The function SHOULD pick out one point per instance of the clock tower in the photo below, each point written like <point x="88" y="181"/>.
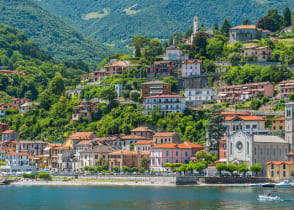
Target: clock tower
<point x="289" y="124"/>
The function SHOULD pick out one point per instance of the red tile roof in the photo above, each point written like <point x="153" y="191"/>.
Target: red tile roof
<point x="165" y="134"/>
<point x="131" y="137"/>
<point x="279" y="119"/>
<point x="280" y="162"/>
<point x="191" y="61"/>
<point x="142" y="129"/>
<point x="15" y="153"/>
<point x="144" y="142"/>
<point x="244" y="27"/>
<point x="194" y="145"/>
<point x="236" y="113"/>
<point x="171" y="146"/>
<point x="8" y="131"/>
<point x="124" y="152"/>
<point x="166" y="96"/>
<point x="82" y="135"/>
<point x="245" y="118"/>
<point x="84" y="142"/>
<point x="223" y="139"/>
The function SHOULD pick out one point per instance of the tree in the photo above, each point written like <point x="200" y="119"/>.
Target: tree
<point x="287" y="17"/>
<point x="246" y="22"/>
<point x="256" y="168"/>
<point x="220" y="167"/>
<point x="57" y="85"/>
<point x="215" y="46"/>
<point x="215" y="125"/>
<point x="291" y="97"/>
<point x="173" y="82"/>
<point x="203" y="156"/>
<point x="139" y="42"/>
<point x="231" y="168"/>
<point x="226" y="28"/>
<point x="199" y="43"/>
<point x="143" y="162"/>
<point x="234" y="58"/>
<point x="125" y="169"/>
<point x="183" y="168"/>
<point x="116" y="169"/>
<point x="255" y="104"/>
<point x="200" y="166"/>
<point x="266" y="23"/>
<point x="134" y="169"/>
<point x="243" y="169"/>
<point x="2" y="163"/>
<point x="134" y="95"/>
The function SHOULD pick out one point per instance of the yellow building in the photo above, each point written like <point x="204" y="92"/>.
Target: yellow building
<point x="279" y="169"/>
<point x="278" y="124"/>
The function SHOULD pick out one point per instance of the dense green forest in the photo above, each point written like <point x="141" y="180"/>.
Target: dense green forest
<point x="121" y="20"/>
<point x="50" y="33"/>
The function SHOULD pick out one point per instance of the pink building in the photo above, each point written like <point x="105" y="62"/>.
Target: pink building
<point x="172" y="153"/>
<point x="191" y="68"/>
<point x="98" y="75"/>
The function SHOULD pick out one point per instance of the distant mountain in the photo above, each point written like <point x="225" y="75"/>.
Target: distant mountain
<point x="53" y="35"/>
<point x="116" y="21"/>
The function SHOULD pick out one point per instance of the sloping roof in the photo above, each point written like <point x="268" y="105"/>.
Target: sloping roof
<point x="165" y="134"/>
<point x="166" y="96"/>
<point x="144" y="142"/>
<point x="247" y="85"/>
<point x="82" y="135"/>
<point x="235" y="113"/>
<point x="120" y="63"/>
<point x="280" y="162"/>
<point x="84" y="142"/>
<point x="223" y="139"/>
<point x="100" y="148"/>
<point x="15" y="153"/>
<point x="124" y="152"/>
<point x="191" y="61"/>
<point x="194" y="145"/>
<point x="171" y="146"/>
<point x="245" y="27"/>
<point x="268" y="139"/>
<point x="8" y="131"/>
<point x="109" y="138"/>
<point x="154" y="82"/>
<point x="245" y="118"/>
<point x="279" y="119"/>
<point x="142" y="129"/>
<point x="31" y="142"/>
<point x="131" y="137"/>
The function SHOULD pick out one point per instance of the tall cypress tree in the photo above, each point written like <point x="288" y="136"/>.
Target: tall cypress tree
<point x="287" y="17"/>
<point x="225" y="27"/>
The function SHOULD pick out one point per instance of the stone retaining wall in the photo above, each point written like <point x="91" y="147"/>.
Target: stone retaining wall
<point x="231" y="180"/>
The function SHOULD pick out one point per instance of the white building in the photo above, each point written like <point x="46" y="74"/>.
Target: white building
<point x="199" y="96"/>
<point x="164" y="104"/>
<point x="175" y="54"/>
<point x="244" y="148"/>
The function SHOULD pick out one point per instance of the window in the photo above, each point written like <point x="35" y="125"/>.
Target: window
<point x="152" y="161"/>
<point x="231" y="148"/>
<point x="272" y="173"/>
<point x="247" y="148"/>
<point x="186" y="154"/>
<point x="225" y="146"/>
<point x="247" y="126"/>
<point x="272" y="166"/>
<point x="284" y="166"/>
<point x="166" y="160"/>
<point x="166" y="153"/>
<point x="177" y="161"/>
<point x="255" y="151"/>
<point x="254" y="126"/>
<point x="177" y="153"/>
<point x="284" y="173"/>
<point x="158" y="161"/>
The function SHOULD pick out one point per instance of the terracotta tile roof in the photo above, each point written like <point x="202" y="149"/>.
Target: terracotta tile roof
<point x="142" y="129"/>
<point x="144" y="142"/>
<point x="165" y="134"/>
<point x="61" y="148"/>
<point x="100" y="148"/>
<point x="82" y="136"/>
<point x="235" y="113"/>
<point x="166" y="96"/>
<point x="245" y="118"/>
<point x="84" y="142"/>
<point x="8" y="131"/>
<point x="280" y="162"/>
<point x="171" y="146"/>
<point x="154" y="82"/>
<point x="36" y="157"/>
<point x="119" y="63"/>
<point x="279" y="119"/>
<point x="15" y="153"/>
<point x="124" y="152"/>
<point x="194" y="145"/>
<point x="54" y="144"/>
<point x="173" y="48"/>
<point x="145" y="153"/>
<point x="191" y="61"/>
<point x="223" y="139"/>
<point x="131" y="137"/>
<point x="109" y="138"/>
<point x="247" y="85"/>
<point x="244" y="27"/>
<point x="291" y="153"/>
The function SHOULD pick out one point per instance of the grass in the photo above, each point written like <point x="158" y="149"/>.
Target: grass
<point x="287" y="42"/>
<point x="96" y="15"/>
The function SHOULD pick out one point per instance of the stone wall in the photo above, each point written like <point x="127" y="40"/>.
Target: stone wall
<point x="231" y="180"/>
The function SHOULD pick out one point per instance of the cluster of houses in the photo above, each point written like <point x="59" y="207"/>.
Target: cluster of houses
<point x="82" y="149"/>
<point x="21" y="104"/>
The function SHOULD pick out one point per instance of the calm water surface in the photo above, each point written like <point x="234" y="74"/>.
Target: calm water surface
<point x="100" y="197"/>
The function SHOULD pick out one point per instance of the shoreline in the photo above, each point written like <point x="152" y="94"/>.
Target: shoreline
<point x="97" y="183"/>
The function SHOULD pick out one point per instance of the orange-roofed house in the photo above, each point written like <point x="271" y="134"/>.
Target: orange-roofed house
<point x="117" y="67"/>
<point x="166" y="138"/>
<point x="279" y="170"/>
<point x="278" y="124"/>
<point x="143" y="145"/>
<point x="257" y="53"/>
<point x="85" y="111"/>
<point x="17" y="159"/>
<point x="129" y="141"/>
<point x="191" y="68"/>
<point x="249" y="124"/>
<point x="3" y="127"/>
<point x="246" y="32"/>
<point x="143" y="131"/>
<point x="161" y="69"/>
<point x="20" y="101"/>
<point x="9" y="135"/>
<point x="76" y="137"/>
<point x="172" y="153"/>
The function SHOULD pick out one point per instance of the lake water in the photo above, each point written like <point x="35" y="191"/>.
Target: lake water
<point x="124" y="197"/>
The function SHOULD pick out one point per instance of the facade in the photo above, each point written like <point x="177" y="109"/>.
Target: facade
<point x="289" y="124"/>
<point x="86" y="111"/>
<point x="164" y="104"/>
<point x="175" y="54"/>
<point x="20" y="101"/>
<point x="286" y="88"/>
<point x="2" y="112"/>
<point x="117" y="67"/>
<point x="248" y="124"/>
<point x="278" y="124"/>
<point x="198" y="96"/>
<point x="99" y="75"/>
<point x="4" y="106"/>
<point x="167" y="138"/>
<point x="86" y="77"/>
<point x="114" y="141"/>
<point x="246" y="32"/>
<point x="237" y="93"/>
<point x="143" y="146"/>
<point x="223" y="150"/>
<point x="129" y="141"/>
<point x="9" y="135"/>
<point x="27" y="106"/>
<point x="17" y="159"/>
<point x="33" y="148"/>
<point x="161" y="69"/>
<point x="122" y="158"/>
<point x="279" y="170"/>
<point x="171" y="153"/>
<point x="76" y="137"/>
<point x="243" y="148"/>
<point x="3" y="127"/>
<point x="259" y="54"/>
<point x="143" y="131"/>
<point x="155" y="88"/>
<point x="191" y="68"/>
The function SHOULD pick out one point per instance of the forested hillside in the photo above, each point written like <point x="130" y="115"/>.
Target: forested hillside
<point x="118" y="21"/>
<point x="50" y="33"/>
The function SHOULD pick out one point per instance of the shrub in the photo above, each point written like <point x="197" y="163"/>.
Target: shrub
<point x="134" y="169"/>
<point x="116" y="169"/>
<point x="125" y="169"/>
<point x="29" y="176"/>
<point x="44" y="175"/>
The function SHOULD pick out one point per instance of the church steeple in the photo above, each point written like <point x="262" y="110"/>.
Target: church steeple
<point x="195" y="26"/>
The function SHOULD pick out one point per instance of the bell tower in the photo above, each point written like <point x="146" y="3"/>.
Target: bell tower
<point x="195" y="25"/>
<point x="289" y="124"/>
